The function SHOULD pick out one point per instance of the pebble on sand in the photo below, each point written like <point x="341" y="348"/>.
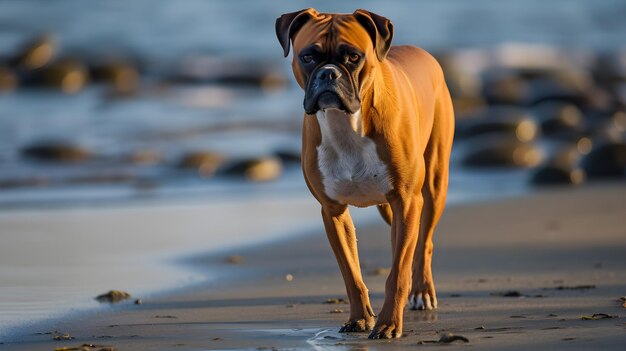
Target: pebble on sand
<point x="113" y="296"/>
<point x="449" y="337"/>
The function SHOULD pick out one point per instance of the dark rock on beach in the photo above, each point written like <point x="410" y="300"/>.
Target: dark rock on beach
<point x="121" y="75"/>
<point x="36" y="53"/>
<point x="504" y="87"/>
<point x="205" y="162"/>
<point x="552" y="174"/>
<point x="113" y="296"/>
<point x="502" y="152"/>
<point x="562" y="166"/>
<point x="557" y="117"/>
<point x="67" y="75"/>
<point x="289" y="156"/>
<point x="606" y="161"/>
<point x="501" y="120"/>
<point x="261" y="169"/>
<point x="56" y="151"/>
<point x="8" y="79"/>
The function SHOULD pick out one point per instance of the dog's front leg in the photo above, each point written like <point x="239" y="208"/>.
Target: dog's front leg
<point x="404" y="234"/>
<point x="342" y="238"/>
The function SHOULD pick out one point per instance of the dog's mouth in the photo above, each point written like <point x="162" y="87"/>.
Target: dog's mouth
<point x="330" y="100"/>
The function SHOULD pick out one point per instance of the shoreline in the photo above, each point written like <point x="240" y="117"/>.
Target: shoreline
<point x="264" y="292"/>
<point x="64" y="285"/>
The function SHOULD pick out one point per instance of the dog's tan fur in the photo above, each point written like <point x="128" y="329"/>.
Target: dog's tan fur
<point x="407" y="111"/>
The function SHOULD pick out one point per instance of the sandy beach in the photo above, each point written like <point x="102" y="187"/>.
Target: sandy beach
<point x="511" y="274"/>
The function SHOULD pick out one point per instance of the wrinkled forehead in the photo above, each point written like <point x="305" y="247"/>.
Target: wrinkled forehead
<point x="330" y="31"/>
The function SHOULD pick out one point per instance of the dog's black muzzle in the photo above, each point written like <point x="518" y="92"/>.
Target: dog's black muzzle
<point x="329" y="87"/>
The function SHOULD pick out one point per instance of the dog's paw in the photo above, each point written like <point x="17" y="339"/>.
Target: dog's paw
<point x="424" y="299"/>
<point x="357" y="326"/>
<point x="386" y="331"/>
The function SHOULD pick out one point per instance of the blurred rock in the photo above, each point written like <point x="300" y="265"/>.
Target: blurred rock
<point x="501" y="152"/>
<point x="584" y="145"/>
<point x="121" y="75"/>
<point x="229" y="71"/>
<point x="509" y="121"/>
<point x="504" y="87"/>
<point x="553" y="174"/>
<point x="113" y="296"/>
<point x="257" y="170"/>
<point x="614" y="127"/>
<point x="289" y="156"/>
<point x="559" y="118"/>
<point x="8" y="79"/>
<point x="548" y="89"/>
<point x="610" y="68"/>
<point x="67" y="75"/>
<point x="205" y="162"/>
<point x="36" y="53"/>
<point x="607" y="160"/>
<point x="533" y="85"/>
<point x="56" y="151"/>
<point x="561" y="168"/>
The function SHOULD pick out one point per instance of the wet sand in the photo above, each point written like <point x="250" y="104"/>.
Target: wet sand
<point x="543" y="247"/>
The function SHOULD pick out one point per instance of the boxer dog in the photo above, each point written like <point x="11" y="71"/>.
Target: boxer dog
<point x="378" y="129"/>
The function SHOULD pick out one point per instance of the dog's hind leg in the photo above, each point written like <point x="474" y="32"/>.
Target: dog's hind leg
<point x="437" y="156"/>
<point x="342" y="238"/>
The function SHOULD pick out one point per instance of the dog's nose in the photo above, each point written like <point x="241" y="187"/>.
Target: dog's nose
<point x="328" y="73"/>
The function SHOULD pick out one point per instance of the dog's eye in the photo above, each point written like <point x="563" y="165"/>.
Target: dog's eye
<point x="354" y="58"/>
<point x="307" y="58"/>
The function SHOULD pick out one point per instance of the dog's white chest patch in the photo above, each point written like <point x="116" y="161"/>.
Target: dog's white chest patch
<point x="352" y="172"/>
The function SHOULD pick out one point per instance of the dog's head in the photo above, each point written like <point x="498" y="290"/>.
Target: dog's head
<point x="334" y="54"/>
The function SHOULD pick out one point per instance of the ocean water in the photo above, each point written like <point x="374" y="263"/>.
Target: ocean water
<point x="173" y="119"/>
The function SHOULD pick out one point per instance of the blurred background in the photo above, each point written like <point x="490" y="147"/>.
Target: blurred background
<point x="116" y="100"/>
<point x="152" y="101"/>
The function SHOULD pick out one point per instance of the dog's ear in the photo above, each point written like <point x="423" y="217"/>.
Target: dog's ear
<point x="289" y="24"/>
<point x="379" y="28"/>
